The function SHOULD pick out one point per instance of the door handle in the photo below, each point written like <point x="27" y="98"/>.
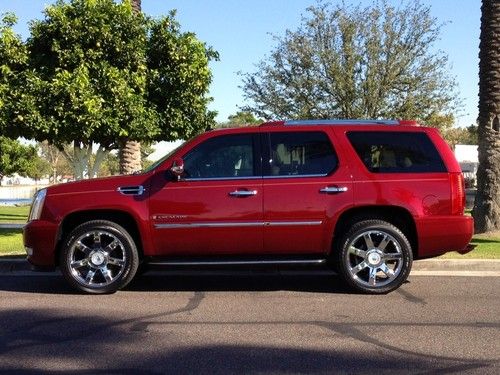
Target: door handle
<point x="243" y="193"/>
<point x="333" y="189"/>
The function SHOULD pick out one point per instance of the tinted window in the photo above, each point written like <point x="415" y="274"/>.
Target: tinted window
<point x="221" y="157"/>
<point x="395" y="152"/>
<point x="301" y="153"/>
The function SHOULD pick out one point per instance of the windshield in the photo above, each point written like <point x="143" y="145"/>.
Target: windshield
<point x="162" y="159"/>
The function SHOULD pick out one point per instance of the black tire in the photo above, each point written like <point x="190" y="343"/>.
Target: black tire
<point x="374" y="257"/>
<point x="99" y="257"/>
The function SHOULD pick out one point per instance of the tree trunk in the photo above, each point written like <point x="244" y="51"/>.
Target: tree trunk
<point x="130" y="151"/>
<point x="130" y="157"/>
<point x="136" y="6"/>
<point x="486" y="210"/>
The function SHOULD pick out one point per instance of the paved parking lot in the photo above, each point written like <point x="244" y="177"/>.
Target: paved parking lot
<point x="250" y="323"/>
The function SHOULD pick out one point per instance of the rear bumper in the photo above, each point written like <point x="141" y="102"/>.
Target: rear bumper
<point x="40" y="238"/>
<point x="440" y="234"/>
<point x="467" y="249"/>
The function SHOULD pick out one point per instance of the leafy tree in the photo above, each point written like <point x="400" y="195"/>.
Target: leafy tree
<point x="12" y="62"/>
<point x="241" y="118"/>
<point x="53" y="156"/>
<point x="486" y="210"/>
<point x="15" y="157"/>
<point x="38" y="168"/>
<point x="130" y="150"/>
<point x="355" y="62"/>
<point x="463" y="136"/>
<point x="110" y="165"/>
<point x="95" y="73"/>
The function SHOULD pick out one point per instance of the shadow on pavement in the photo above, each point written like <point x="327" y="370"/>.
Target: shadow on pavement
<point x="92" y="342"/>
<point x="247" y="283"/>
<point x="51" y="283"/>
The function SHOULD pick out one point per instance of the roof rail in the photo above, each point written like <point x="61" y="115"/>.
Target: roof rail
<point x="344" y="122"/>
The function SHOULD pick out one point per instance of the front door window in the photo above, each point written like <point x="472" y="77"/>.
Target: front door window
<point x="229" y="156"/>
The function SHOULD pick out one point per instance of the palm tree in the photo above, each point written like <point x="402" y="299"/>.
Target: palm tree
<point x="130" y="151"/>
<point x="487" y="206"/>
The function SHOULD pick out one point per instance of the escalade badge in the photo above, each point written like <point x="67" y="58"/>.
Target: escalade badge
<point x="169" y="217"/>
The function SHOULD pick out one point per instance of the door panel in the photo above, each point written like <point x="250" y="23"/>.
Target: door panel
<point x="203" y="218"/>
<point x="216" y="206"/>
<point x="302" y="219"/>
<point x="305" y="187"/>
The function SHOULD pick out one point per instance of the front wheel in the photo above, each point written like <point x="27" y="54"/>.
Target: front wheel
<point x="374" y="257"/>
<point x="99" y="257"/>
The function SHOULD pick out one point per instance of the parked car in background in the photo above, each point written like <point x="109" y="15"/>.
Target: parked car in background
<point x="364" y="196"/>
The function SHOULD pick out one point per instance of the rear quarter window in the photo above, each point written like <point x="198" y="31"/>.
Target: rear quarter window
<point x="396" y="152"/>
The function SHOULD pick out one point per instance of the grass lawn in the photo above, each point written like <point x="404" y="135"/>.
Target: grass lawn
<point x="488" y="247"/>
<point x="14" y="214"/>
<point x="11" y="242"/>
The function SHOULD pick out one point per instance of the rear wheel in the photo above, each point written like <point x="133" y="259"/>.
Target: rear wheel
<point x="374" y="257"/>
<point x="99" y="257"/>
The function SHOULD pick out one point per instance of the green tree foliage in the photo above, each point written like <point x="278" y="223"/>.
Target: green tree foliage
<point x="240" y="118"/>
<point x="110" y="165"/>
<point x="59" y="165"/>
<point x="461" y="136"/>
<point x="356" y="62"/>
<point x="93" y="72"/>
<point x="12" y="62"/>
<point x="39" y="168"/>
<point x="15" y="157"/>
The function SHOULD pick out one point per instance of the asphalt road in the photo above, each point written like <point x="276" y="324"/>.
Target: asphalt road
<point x="264" y="323"/>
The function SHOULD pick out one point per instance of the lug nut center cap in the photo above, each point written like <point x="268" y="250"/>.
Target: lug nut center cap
<point x="97" y="258"/>
<point x="374" y="258"/>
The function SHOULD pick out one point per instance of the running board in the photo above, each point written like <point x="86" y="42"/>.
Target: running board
<point x="237" y="262"/>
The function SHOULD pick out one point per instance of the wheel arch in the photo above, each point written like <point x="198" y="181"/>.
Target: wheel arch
<point x="122" y="218"/>
<point x="396" y="215"/>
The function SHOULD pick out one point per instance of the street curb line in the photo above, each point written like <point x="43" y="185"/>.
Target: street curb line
<point x="11" y="226"/>
<point x="456" y="273"/>
<point x="433" y="267"/>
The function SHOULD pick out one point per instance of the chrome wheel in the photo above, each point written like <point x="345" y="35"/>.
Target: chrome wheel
<point x="97" y="258"/>
<point x="374" y="258"/>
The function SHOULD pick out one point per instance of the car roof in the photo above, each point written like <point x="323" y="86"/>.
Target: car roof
<point x="371" y="125"/>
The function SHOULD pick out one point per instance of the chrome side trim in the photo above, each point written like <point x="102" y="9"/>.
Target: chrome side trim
<point x="296" y="176"/>
<point x="342" y="122"/>
<point x="131" y="190"/>
<point x="207" y="225"/>
<point x="292" y="223"/>
<point x="235" y="224"/>
<point x="237" y="262"/>
<point x="254" y="177"/>
<point x="223" y="178"/>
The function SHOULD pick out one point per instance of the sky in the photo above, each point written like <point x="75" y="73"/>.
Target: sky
<point x="242" y="32"/>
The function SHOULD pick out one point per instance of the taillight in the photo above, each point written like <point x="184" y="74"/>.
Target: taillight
<point x="457" y="193"/>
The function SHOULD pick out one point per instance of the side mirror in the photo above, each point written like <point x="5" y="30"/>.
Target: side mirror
<point x="177" y="168"/>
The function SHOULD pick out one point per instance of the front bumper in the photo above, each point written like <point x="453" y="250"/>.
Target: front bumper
<point x="441" y="234"/>
<point x="40" y="239"/>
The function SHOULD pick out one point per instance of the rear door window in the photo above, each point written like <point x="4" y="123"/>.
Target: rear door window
<point x="300" y="154"/>
<point x="396" y="152"/>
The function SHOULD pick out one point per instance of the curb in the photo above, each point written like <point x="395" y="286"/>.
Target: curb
<point x="11" y="226"/>
<point x="468" y="265"/>
<point x="428" y="267"/>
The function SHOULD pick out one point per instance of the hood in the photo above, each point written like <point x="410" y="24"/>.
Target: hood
<point x="100" y="184"/>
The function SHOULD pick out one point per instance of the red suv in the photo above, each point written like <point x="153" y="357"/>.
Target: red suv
<point x="366" y="197"/>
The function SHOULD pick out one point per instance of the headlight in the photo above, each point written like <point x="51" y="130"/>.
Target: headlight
<point x="36" y="207"/>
